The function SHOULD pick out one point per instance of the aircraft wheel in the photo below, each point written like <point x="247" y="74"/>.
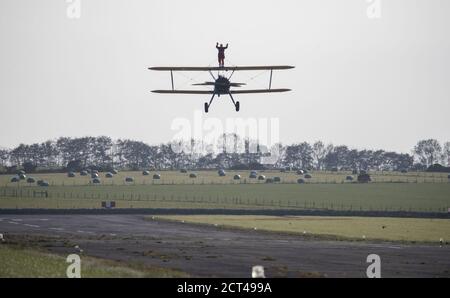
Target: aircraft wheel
<point x="238" y="106"/>
<point x="206" y="107"/>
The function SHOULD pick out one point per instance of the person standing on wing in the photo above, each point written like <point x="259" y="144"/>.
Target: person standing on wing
<point x="221" y="49"/>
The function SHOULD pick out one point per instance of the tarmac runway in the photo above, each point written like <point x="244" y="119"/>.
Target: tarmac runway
<point x="208" y="251"/>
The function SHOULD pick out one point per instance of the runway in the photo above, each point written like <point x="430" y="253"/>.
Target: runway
<point x="208" y="251"/>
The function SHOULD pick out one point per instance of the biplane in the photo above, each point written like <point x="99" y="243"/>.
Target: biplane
<point x="222" y="82"/>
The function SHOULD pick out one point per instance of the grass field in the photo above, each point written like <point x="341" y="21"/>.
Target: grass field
<point x="68" y="193"/>
<point x="19" y="263"/>
<point x="386" y="229"/>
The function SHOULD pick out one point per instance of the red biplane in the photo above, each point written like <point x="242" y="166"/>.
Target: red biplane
<point x="222" y="84"/>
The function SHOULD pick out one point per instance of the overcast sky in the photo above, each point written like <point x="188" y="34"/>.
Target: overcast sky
<point x="361" y="81"/>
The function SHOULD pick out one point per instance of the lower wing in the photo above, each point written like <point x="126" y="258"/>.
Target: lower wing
<point x="212" y="92"/>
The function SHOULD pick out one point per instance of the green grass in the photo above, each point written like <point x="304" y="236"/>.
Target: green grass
<point x="21" y="263"/>
<point x="379" y="196"/>
<point x="395" y="229"/>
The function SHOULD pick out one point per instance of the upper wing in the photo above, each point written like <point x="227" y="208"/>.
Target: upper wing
<point x="226" y="68"/>
<point x="182" y="92"/>
<point x="259" y="91"/>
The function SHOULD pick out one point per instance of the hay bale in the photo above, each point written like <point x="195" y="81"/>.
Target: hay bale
<point x="300" y="172"/>
<point x="222" y="173"/>
<point x="254" y="173"/>
<point x="261" y="178"/>
<point x="193" y="175"/>
<point x="31" y="180"/>
<point x="109" y="175"/>
<point x="43" y="183"/>
<point x="364" y="178"/>
<point x="237" y="177"/>
<point x="307" y="176"/>
<point x="277" y="179"/>
<point x="21" y="172"/>
<point x="269" y="180"/>
<point x="129" y="179"/>
<point x="349" y="178"/>
<point x="83" y="173"/>
<point x="145" y="173"/>
<point x="71" y="175"/>
<point x="183" y="171"/>
<point x="301" y="181"/>
<point x="22" y="176"/>
<point x="94" y="175"/>
<point x="96" y="181"/>
<point x="15" y="179"/>
<point x="114" y="172"/>
<point x="157" y="177"/>
<point x="253" y="176"/>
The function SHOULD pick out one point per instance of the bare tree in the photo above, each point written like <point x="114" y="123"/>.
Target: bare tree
<point x="319" y="152"/>
<point x="428" y="152"/>
<point x="446" y="154"/>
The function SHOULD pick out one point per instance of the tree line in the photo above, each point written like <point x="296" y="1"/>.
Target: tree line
<point x="103" y="153"/>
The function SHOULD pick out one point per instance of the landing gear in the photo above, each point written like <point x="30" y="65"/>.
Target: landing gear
<point x="207" y="105"/>
<point x="236" y="103"/>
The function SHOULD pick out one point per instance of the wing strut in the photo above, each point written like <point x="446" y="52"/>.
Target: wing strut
<point x="171" y="77"/>
<point x="212" y="75"/>
<point x="270" y="83"/>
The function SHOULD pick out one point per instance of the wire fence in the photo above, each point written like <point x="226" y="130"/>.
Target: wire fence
<point x="217" y="200"/>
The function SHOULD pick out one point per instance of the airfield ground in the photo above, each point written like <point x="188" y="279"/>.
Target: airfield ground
<point x="227" y="246"/>
<point x="209" y="251"/>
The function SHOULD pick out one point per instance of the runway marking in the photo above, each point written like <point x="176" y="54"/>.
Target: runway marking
<point x="13" y="222"/>
<point x="57" y="229"/>
<point x="85" y="232"/>
<point x="32" y="226"/>
<point x="17" y="219"/>
<point x="112" y="234"/>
